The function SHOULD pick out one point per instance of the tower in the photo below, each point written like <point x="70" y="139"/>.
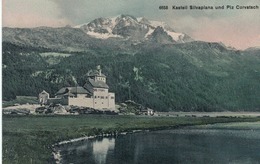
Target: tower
<point x="99" y="70"/>
<point x="97" y="74"/>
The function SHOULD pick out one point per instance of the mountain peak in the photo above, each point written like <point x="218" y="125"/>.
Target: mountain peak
<point x="160" y="36"/>
<point x="143" y="20"/>
<point x="129" y="27"/>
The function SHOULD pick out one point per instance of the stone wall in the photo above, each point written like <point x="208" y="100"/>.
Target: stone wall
<point x="81" y="101"/>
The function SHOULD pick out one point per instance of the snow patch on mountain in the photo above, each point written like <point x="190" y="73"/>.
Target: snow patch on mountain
<point x="149" y="32"/>
<point x="157" y="24"/>
<point x="129" y="27"/>
<point x="113" y="22"/>
<point x="102" y="35"/>
<point x="176" y="36"/>
<point x="80" y="25"/>
<point x="139" y="19"/>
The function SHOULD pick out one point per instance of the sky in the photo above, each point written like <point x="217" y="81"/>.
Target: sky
<point x="236" y="28"/>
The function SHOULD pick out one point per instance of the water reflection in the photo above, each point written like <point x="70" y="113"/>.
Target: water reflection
<point x="101" y="149"/>
<point x="195" y="146"/>
<point x="90" y="151"/>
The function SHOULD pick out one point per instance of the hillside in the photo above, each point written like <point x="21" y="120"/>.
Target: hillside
<point x="145" y="60"/>
<point x="194" y="76"/>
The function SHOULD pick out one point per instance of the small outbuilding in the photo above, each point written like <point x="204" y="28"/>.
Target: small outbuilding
<point x="43" y="97"/>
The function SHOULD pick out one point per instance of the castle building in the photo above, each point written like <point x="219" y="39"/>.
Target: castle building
<point x="94" y="94"/>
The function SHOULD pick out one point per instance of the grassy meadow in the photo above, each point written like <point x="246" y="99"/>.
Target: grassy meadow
<point x="28" y="139"/>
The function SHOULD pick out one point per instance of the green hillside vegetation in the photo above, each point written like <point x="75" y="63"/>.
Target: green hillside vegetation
<point x="194" y="76"/>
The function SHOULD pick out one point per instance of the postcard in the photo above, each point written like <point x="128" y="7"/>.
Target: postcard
<point x="140" y="81"/>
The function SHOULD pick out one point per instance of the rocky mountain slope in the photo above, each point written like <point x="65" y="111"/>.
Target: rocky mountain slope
<point x="118" y="33"/>
<point x="129" y="27"/>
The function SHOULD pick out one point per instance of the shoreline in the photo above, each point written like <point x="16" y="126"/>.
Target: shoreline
<point x="57" y="156"/>
<point x="56" y="153"/>
<point x="40" y="134"/>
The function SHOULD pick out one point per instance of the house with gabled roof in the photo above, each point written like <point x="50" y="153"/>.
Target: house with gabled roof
<point x="94" y="94"/>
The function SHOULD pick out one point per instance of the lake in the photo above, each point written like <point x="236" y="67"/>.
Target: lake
<point x="234" y="143"/>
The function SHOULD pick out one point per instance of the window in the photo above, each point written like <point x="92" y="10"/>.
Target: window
<point x="102" y="97"/>
<point x="112" y="97"/>
<point x="95" y="97"/>
<point x="106" y="97"/>
<point x="95" y="102"/>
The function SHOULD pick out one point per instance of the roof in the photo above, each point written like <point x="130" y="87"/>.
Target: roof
<point x="72" y="90"/>
<point x="97" y="84"/>
<point x="43" y="92"/>
<point x="69" y="94"/>
<point x="95" y="73"/>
